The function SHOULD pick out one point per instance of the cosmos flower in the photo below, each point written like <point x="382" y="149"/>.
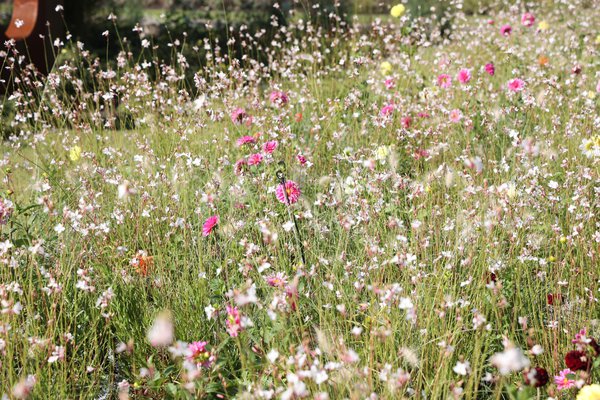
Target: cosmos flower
<point x="464" y="75"/>
<point x="292" y="190"/>
<point x="563" y="381"/>
<point x="239" y="115"/>
<point x="209" y="225"/>
<point x="279" y="98"/>
<point x="516" y="85"/>
<point x="397" y="11"/>
<point x="490" y="69"/>
<point x="255" y="159"/>
<point x="505" y="30"/>
<point x="455" y="116"/>
<point x="444" y="81"/>
<point x="527" y="19"/>
<point x="246" y="140"/>
<point x="386" y="110"/>
<point x="270" y="146"/>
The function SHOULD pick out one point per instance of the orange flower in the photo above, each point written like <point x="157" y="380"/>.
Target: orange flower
<point x="298" y="117"/>
<point x="543" y="60"/>
<point x="142" y="262"/>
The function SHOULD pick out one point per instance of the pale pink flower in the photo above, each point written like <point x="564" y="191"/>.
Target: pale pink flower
<point x="277" y="280"/>
<point x="563" y="381"/>
<point x="389" y="83"/>
<point x="270" y="146"/>
<point x="255" y="159"/>
<point x="527" y="19"/>
<point x="234" y="321"/>
<point x="209" y="225"/>
<point x="292" y="192"/>
<point x="279" y="98"/>
<point x="464" y="75"/>
<point x="455" y="115"/>
<point x="6" y="210"/>
<point x="444" y="81"/>
<point x="160" y="333"/>
<point x="516" y="85"/>
<point x="246" y="140"/>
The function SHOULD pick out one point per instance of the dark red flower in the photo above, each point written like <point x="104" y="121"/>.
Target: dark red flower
<point x="536" y="377"/>
<point x="577" y="360"/>
<point x="595" y="346"/>
<point x="554" y="298"/>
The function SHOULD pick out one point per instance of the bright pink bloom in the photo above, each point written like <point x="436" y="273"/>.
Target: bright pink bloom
<point x="464" y="75"/>
<point x="199" y="355"/>
<point x="406" y="121"/>
<point x="234" y="321"/>
<point x="387" y="110"/>
<point x="563" y="381"/>
<point x="270" y="146"/>
<point x="292" y="190"/>
<point x="239" y="116"/>
<point x="490" y="69"/>
<point x="246" y="140"/>
<point x="516" y="85"/>
<point x="455" y="115"/>
<point x="505" y="30"/>
<point x="527" y="19"/>
<point x="209" y="225"/>
<point x="277" y="280"/>
<point x="301" y="159"/>
<point x="389" y="83"/>
<point x="255" y="159"/>
<point x="598" y="87"/>
<point x="444" y="81"/>
<point x="279" y="98"/>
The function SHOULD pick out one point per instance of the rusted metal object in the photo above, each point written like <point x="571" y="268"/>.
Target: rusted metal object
<point x="24" y="19"/>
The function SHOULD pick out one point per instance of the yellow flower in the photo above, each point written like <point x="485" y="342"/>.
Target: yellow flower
<point x="589" y="392"/>
<point x="75" y="153"/>
<point x="543" y="25"/>
<point x="398" y="10"/>
<point x="597" y="39"/>
<point x="382" y="152"/>
<point x="591" y="95"/>
<point x="385" y="68"/>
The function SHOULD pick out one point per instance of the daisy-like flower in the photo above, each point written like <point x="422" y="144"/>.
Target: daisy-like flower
<point x="246" y="140"/>
<point x="563" y="381"/>
<point x="591" y="147"/>
<point x="398" y="10"/>
<point x="239" y="116"/>
<point x="255" y="159"/>
<point x="209" y="225"/>
<point x="527" y="19"/>
<point x="444" y="81"/>
<point x="291" y="191"/>
<point x="279" y="98"/>
<point x="505" y="30"/>
<point x="464" y="75"/>
<point x="490" y="69"/>
<point x="455" y="116"/>
<point x="386" y="110"/>
<point x="270" y="146"/>
<point x="516" y="85"/>
<point x="277" y="280"/>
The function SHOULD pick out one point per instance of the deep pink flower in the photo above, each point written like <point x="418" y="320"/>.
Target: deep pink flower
<point x="234" y="321"/>
<point x="239" y="116"/>
<point x="255" y="159"/>
<point x="246" y="140"/>
<point x="279" y="98"/>
<point x="516" y="85"/>
<point x="209" y="225"/>
<point x="270" y="146"/>
<point x="444" y="81"/>
<point x="386" y="110"/>
<point x="389" y="83"/>
<point x="527" y="19"/>
<point x="505" y="30"/>
<point x="199" y="355"/>
<point x="291" y="189"/>
<point x="563" y="381"/>
<point x="464" y="75"/>
<point x="406" y="121"/>
<point x="301" y="159"/>
<point x="490" y="69"/>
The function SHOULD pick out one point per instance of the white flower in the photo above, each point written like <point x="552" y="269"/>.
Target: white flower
<point x="59" y="228"/>
<point x="510" y="360"/>
<point x="462" y="368"/>
<point x="160" y="333"/>
<point x="273" y="355"/>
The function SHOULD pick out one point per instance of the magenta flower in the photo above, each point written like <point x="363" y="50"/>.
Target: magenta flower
<point x="389" y="83"/>
<point x="246" y="140"/>
<point x="516" y="85"/>
<point x="270" y="146"/>
<point x="209" y="225"/>
<point x="239" y="116"/>
<point x="301" y="159"/>
<point x="255" y="159"/>
<point x="563" y="381"/>
<point x="386" y="110"/>
<point x="527" y="19"/>
<point x="234" y="321"/>
<point x="505" y="30"/>
<point x="279" y="98"/>
<point x="444" y="81"/>
<point x="464" y="75"/>
<point x="490" y="69"/>
<point x="291" y="191"/>
<point x="199" y="355"/>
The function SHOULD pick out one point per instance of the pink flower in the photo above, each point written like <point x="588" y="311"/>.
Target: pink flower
<point x="455" y="115"/>
<point x="598" y="86"/>
<point x="255" y="159"/>
<point x="406" y="121"/>
<point x="291" y="191"/>
<point x="234" y="321"/>
<point x="240" y="166"/>
<point x="270" y="146"/>
<point x="389" y="83"/>
<point x="239" y="116"/>
<point x="246" y="140"/>
<point x="490" y="69"/>
<point x="279" y="98"/>
<point x="209" y="225"/>
<point x="516" y="85"/>
<point x="6" y="210"/>
<point x="527" y="19"/>
<point x="444" y="81"/>
<point x="387" y="110"/>
<point x="464" y="75"/>
<point x="505" y="30"/>
<point x="277" y="280"/>
<point x="301" y="159"/>
<point x="198" y="354"/>
<point x="563" y="381"/>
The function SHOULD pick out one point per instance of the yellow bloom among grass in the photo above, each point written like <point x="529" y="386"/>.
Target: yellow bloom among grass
<point x="589" y="392"/>
<point x="597" y="39"/>
<point x="75" y="153"/>
<point x="543" y="25"/>
<point x="385" y="67"/>
<point x="397" y="11"/>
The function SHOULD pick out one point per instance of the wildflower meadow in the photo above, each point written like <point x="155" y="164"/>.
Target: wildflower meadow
<point x="403" y="206"/>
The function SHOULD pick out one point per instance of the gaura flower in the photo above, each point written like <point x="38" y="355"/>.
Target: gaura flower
<point x="589" y="392"/>
<point x="279" y="98"/>
<point x="291" y="191"/>
<point x="397" y="11"/>
<point x="563" y="381"/>
<point x="75" y="153"/>
<point x="385" y="68"/>
<point x="234" y="321"/>
<point x="209" y="225"/>
<point x="6" y="210"/>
